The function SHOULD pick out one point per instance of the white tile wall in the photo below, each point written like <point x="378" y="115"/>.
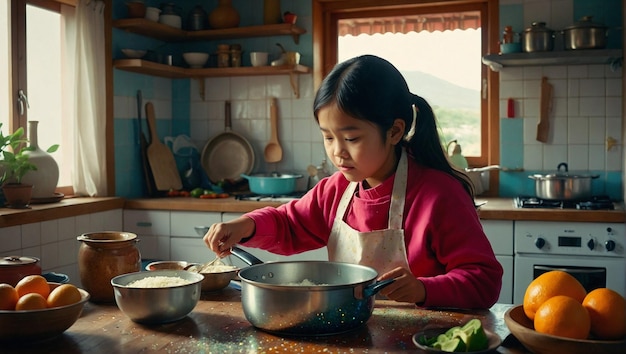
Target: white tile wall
<point x="54" y="241"/>
<point x="297" y="131"/>
<point x="586" y="111"/>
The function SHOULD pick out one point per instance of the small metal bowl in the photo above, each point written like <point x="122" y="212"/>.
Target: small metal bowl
<point x="212" y="280"/>
<point x="159" y="304"/>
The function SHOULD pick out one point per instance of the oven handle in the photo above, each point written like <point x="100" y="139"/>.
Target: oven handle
<point x="570" y="270"/>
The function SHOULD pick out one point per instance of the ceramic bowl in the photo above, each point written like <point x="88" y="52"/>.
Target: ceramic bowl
<point x="152" y="13"/>
<point x="522" y="328"/>
<point x="157" y="304"/>
<point x="42" y="324"/>
<point x="134" y="53"/>
<point x="493" y="338"/>
<point x="171" y="20"/>
<point x="258" y="58"/>
<point x="196" y="60"/>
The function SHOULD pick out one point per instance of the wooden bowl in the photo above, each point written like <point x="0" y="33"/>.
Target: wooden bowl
<point x="29" y="325"/>
<point x="522" y="328"/>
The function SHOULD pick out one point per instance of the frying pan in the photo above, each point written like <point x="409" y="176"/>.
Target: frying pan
<point x="227" y="155"/>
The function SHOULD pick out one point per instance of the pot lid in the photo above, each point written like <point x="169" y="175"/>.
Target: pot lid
<point x="538" y="27"/>
<point x="586" y="22"/>
<point x="9" y="261"/>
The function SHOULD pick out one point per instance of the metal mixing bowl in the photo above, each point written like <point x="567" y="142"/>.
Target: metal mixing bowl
<point x="212" y="280"/>
<point x="157" y="305"/>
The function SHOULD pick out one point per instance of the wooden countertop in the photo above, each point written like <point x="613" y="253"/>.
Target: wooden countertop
<point x="494" y="209"/>
<point x="218" y="325"/>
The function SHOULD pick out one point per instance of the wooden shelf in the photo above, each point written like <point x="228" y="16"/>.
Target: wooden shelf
<point x="613" y="57"/>
<point x="167" y="33"/>
<point x="175" y="72"/>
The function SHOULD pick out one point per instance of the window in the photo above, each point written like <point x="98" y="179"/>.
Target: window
<point x="342" y="29"/>
<point x="34" y="41"/>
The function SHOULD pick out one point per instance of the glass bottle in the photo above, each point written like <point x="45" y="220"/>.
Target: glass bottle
<point x="235" y="55"/>
<point x="223" y="56"/>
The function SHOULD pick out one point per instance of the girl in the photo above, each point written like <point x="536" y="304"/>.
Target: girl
<point x="395" y="204"/>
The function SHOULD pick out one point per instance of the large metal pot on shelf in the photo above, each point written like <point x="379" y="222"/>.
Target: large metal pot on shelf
<point x="537" y="38"/>
<point x="585" y="34"/>
<point x="563" y="185"/>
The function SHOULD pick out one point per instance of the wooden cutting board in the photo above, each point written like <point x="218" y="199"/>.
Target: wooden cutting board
<point x="545" y="106"/>
<point x="161" y="159"/>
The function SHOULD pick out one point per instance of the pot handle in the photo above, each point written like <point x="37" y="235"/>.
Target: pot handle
<point x="245" y="256"/>
<point x="372" y="289"/>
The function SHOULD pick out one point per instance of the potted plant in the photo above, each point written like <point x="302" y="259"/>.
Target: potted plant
<point x="14" y="164"/>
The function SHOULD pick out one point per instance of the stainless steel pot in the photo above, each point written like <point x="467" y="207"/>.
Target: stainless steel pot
<point x="585" y="34"/>
<point x="307" y="298"/>
<point x="563" y="185"/>
<point x="537" y="38"/>
<point x="272" y="183"/>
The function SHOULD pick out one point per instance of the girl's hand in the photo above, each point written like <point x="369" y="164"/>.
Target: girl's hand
<point x="405" y="288"/>
<point x="222" y="236"/>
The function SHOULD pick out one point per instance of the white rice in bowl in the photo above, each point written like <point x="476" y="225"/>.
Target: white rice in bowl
<point x="158" y="282"/>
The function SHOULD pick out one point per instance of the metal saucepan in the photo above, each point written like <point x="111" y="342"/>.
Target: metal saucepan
<point x="307" y="298"/>
<point x="227" y="155"/>
<point x="272" y="183"/>
<point x="14" y="268"/>
<point x="563" y="185"/>
<point x="585" y="34"/>
<point x="537" y="38"/>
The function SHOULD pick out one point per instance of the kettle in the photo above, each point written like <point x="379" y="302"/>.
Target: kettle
<point x="456" y="157"/>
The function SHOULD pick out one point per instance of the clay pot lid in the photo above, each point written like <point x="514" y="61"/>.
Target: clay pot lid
<point x="9" y="261"/>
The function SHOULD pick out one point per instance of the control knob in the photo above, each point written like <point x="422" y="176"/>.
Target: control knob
<point x="591" y="245"/>
<point x="540" y="242"/>
<point x="609" y="245"/>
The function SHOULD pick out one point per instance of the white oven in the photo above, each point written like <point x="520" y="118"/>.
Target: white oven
<point x="591" y="252"/>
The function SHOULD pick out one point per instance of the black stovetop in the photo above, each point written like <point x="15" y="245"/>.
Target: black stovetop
<point x="600" y="202"/>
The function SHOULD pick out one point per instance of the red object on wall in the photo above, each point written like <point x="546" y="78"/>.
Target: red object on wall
<point x="510" y="108"/>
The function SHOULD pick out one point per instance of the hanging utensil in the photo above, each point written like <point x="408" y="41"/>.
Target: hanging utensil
<point x="143" y="147"/>
<point x="273" y="151"/>
<point x="162" y="163"/>
<point x="545" y="104"/>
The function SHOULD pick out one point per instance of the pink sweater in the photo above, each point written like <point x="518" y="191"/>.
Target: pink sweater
<point x="446" y="246"/>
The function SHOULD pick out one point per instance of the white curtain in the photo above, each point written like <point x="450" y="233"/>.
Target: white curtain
<point x="84" y="68"/>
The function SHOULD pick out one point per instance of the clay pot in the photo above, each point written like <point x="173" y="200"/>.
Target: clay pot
<point x="224" y="15"/>
<point x="103" y="256"/>
<point x="17" y="195"/>
<point x="14" y="268"/>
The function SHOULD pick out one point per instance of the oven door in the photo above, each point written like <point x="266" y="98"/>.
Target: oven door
<point x="592" y="272"/>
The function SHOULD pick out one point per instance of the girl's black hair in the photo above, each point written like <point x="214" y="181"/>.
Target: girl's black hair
<point x="370" y="88"/>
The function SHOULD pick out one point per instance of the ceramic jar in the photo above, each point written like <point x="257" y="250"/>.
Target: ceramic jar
<point x="271" y="12"/>
<point x="14" y="268"/>
<point x="103" y="256"/>
<point x="224" y="15"/>
<point x="46" y="177"/>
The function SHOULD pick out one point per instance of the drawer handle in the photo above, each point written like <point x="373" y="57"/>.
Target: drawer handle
<point x="144" y="224"/>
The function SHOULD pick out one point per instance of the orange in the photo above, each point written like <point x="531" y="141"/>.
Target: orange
<point x="607" y="310"/>
<point x="31" y="301"/>
<point x="33" y="284"/>
<point x="8" y="297"/>
<point x="563" y="316"/>
<point x="62" y="295"/>
<point x="550" y="284"/>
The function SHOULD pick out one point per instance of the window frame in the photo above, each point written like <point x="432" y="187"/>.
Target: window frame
<point x="327" y="12"/>
<point x="18" y="76"/>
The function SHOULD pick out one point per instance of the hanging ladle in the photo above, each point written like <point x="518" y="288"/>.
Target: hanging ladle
<point x="273" y="151"/>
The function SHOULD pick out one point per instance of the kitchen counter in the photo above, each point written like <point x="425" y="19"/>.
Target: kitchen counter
<point x="494" y="209"/>
<point x="218" y="325"/>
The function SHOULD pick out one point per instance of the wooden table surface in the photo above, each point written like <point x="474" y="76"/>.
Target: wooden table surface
<point x="218" y="325"/>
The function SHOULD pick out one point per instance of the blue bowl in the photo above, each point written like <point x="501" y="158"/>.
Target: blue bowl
<point x="56" y="277"/>
<point x="507" y="48"/>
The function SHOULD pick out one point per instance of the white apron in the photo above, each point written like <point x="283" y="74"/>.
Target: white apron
<point x="382" y="250"/>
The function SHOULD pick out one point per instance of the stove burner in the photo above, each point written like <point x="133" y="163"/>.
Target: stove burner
<point x="600" y="202"/>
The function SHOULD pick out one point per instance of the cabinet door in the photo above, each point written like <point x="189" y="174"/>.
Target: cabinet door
<point x="186" y="242"/>
<point x="153" y="231"/>
<point x="500" y="235"/>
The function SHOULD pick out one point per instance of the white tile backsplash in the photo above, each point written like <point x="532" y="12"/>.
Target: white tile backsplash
<point x="586" y="110"/>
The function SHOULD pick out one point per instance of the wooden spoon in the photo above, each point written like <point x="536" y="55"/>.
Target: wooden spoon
<point x="273" y="151"/>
